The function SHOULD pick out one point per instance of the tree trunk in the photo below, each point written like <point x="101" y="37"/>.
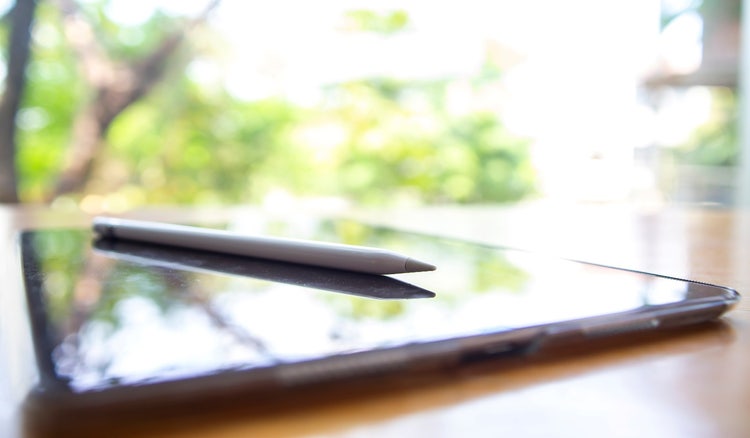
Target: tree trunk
<point x="88" y="137"/>
<point x="19" y="47"/>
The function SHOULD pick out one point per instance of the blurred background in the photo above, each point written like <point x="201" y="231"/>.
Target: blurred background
<point x="113" y="105"/>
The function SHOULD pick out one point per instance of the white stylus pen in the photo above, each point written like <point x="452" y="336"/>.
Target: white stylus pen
<point x="307" y="252"/>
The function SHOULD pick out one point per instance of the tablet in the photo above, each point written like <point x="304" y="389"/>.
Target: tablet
<point x="118" y="324"/>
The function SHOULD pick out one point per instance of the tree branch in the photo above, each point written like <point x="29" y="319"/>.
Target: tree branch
<point x="93" y="61"/>
<point x="117" y="85"/>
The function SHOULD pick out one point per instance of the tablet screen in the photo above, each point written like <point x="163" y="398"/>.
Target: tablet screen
<point x="113" y="313"/>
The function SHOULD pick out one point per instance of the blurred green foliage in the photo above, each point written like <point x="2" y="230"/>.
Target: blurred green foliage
<point x="373" y="141"/>
<point x="61" y="253"/>
<point x="385" y="23"/>
<point x="53" y="95"/>
<point x="716" y="142"/>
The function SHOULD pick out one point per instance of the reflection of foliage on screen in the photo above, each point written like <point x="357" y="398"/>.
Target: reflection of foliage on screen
<point x="357" y="309"/>
<point x="132" y="280"/>
<point x="80" y="287"/>
<point x="60" y="255"/>
<point x="494" y="271"/>
<point x="490" y="269"/>
<point x="90" y="288"/>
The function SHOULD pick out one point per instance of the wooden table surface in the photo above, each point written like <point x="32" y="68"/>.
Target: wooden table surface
<point x="695" y="382"/>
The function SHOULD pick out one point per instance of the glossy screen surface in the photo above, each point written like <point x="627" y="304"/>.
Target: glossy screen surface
<point x="116" y="313"/>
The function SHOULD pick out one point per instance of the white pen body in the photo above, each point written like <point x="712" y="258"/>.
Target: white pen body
<point x="329" y="255"/>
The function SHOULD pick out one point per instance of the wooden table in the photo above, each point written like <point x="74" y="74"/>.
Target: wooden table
<point x="695" y="382"/>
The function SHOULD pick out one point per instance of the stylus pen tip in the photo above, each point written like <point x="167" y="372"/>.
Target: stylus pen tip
<point x="412" y="265"/>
